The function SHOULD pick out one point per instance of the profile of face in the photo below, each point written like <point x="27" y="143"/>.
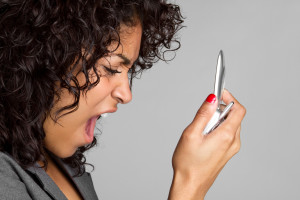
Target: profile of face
<point x="77" y="128"/>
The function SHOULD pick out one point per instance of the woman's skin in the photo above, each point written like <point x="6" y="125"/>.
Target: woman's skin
<point x="197" y="159"/>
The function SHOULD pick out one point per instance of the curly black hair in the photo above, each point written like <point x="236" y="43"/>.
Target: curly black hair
<point x="42" y="42"/>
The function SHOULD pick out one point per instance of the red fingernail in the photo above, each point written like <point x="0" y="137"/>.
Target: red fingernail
<point x="211" y="98"/>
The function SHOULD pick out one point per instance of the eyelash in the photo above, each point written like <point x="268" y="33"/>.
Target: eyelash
<point x="111" y="71"/>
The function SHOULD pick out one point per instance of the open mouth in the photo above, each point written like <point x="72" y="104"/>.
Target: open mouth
<point x="89" y="129"/>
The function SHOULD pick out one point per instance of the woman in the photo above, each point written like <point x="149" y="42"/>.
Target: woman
<point x="66" y="63"/>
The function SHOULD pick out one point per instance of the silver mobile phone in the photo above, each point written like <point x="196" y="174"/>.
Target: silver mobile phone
<point x="220" y="115"/>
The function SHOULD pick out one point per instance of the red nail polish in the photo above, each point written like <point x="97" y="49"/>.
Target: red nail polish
<point x="211" y="98"/>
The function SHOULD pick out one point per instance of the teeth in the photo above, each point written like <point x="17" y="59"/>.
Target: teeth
<point x="104" y="115"/>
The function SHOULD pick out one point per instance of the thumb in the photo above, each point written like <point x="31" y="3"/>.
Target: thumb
<point x="205" y="113"/>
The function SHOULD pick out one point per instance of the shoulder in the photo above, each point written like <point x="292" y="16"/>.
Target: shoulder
<point x="11" y="184"/>
<point x="8" y="166"/>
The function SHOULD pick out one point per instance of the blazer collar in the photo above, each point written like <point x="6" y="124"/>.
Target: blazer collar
<point x="83" y="183"/>
<point x="46" y="182"/>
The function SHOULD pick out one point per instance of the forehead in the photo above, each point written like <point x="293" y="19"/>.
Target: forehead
<point x="130" y="41"/>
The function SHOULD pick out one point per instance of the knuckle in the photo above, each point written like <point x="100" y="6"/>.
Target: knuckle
<point x="227" y="135"/>
<point x="227" y="129"/>
<point x="188" y="134"/>
<point x="236" y="147"/>
<point x="243" y="110"/>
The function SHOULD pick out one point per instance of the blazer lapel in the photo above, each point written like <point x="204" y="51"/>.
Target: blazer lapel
<point x="83" y="183"/>
<point x="46" y="182"/>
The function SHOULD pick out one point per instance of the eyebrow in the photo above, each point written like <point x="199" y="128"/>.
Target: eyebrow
<point x="126" y="61"/>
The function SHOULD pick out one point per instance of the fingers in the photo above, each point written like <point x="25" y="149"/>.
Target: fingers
<point x="237" y="135"/>
<point x="235" y="145"/>
<point x="208" y="108"/>
<point x="205" y="113"/>
<point x="237" y="142"/>
<point x="236" y="114"/>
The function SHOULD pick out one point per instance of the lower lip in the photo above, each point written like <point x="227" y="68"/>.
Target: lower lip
<point x="89" y="129"/>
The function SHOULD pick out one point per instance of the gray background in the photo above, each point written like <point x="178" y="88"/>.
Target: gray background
<point x="260" y="39"/>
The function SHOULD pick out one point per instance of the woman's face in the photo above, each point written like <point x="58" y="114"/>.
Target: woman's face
<point x="77" y="128"/>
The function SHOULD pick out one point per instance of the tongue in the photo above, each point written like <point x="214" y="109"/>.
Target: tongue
<point x="90" y="129"/>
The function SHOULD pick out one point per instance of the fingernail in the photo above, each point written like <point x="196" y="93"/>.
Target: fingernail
<point x="211" y="98"/>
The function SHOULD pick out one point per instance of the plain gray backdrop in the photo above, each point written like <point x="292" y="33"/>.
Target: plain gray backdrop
<point x="260" y="40"/>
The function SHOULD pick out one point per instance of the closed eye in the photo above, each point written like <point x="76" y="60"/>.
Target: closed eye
<point x="111" y="71"/>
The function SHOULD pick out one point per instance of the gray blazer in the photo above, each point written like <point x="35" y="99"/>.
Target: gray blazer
<point x="34" y="183"/>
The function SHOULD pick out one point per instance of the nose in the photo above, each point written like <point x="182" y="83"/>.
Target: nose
<point x="122" y="92"/>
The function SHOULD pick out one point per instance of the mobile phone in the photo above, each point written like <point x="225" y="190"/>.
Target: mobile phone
<point x="219" y="115"/>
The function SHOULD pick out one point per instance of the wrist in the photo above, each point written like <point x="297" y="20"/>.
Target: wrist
<point x="186" y="187"/>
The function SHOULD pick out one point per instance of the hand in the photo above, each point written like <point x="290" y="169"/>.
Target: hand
<point x="198" y="158"/>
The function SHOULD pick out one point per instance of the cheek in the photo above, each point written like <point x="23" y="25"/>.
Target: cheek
<point x="60" y="138"/>
<point x="64" y="138"/>
<point x="97" y="94"/>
